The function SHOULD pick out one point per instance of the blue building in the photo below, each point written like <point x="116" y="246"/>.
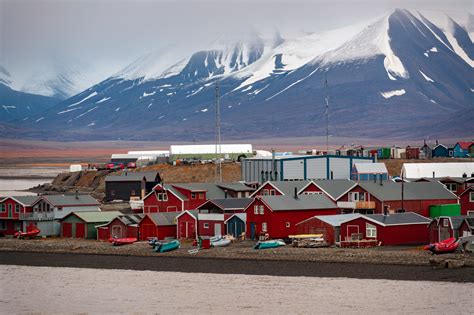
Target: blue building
<point x="461" y="149"/>
<point x="441" y="150"/>
<point x="369" y="171"/>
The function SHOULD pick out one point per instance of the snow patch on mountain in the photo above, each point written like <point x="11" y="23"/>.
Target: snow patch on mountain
<point x="427" y="78"/>
<point x="103" y="100"/>
<point x="84" y="99"/>
<point x="393" y="93"/>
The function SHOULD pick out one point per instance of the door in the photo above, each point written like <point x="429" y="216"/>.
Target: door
<point x="352" y="232"/>
<point x="252" y="230"/>
<point x="190" y="230"/>
<point x="117" y="231"/>
<point x="10" y="211"/>
<point x="231" y="229"/>
<point x="67" y="229"/>
<point x="217" y="229"/>
<point x="80" y="230"/>
<point x="146" y="231"/>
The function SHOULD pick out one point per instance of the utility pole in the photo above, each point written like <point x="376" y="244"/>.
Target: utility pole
<point x="327" y="112"/>
<point x="218" y="177"/>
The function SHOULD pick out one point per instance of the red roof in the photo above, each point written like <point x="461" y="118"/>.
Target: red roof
<point x="465" y="144"/>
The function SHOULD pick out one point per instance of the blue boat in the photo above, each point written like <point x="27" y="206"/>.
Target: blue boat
<point x="166" y="247"/>
<point x="269" y="244"/>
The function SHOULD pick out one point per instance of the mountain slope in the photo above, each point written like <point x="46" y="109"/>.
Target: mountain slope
<point x="396" y="77"/>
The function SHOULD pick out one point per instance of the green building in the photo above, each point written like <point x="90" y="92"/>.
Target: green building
<point x="82" y="224"/>
<point x="447" y="210"/>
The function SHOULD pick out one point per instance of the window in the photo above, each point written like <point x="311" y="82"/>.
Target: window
<point x="312" y="193"/>
<point x="264" y="227"/>
<point x="201" y="195"/>
<point x="17" y="208"/>
<point x="265" y="192"/>
<point x="2" y="208"/>
<point x="193" y="195"/>
<point x="163" y="196"/>
<point x="206" y="225"/>
<point x="261" y="209"/>
<point x="361" y="196"/>
<point x="452" y="186"/>
<point x="255" y="209"/>
<point x="371" y="230"/>
<point x="17" y="226"/>
<point x="287" y="224"/>
<point x="445" y="222"/>
<point x="272" y="192"/>
<point x="10" y="208"/>
<point x="470" y="212"/>
<point x="3" y="225"/>
<point x="353" y="196"/>
<point x="471" y="196"/>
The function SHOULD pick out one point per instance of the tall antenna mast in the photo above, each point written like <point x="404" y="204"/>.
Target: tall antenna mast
<point x="327" y="112"/>
<point x="218" y="177"/>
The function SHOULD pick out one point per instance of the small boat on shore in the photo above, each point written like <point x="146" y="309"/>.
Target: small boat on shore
<point x="31" y="233"/>
<point x="122" y="241"/>
<point x="269" y="244"/>
<point x="447" y="246"/>
<point x="166" y="247"/>
<point x="221" y="243"/>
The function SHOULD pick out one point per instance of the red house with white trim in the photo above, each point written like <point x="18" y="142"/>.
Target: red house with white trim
<point x="12" y="211"/>
<point x="160" y="225"/>
<point x="187" y="225"/>
<point x="278" y="215"/>
<point x="123" y="226"/>
<point x="393" y="229"/>
<point x="466" y="199"/>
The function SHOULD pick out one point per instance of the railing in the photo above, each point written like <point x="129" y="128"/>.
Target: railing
<point x="356" y="204"/>
<point x="37" y="216"/>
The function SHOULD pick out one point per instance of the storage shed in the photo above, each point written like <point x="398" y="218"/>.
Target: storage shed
<point x="235" y="224"/>
<point x="369" y="171"/>
<point x="123" y="226"/>
<point x="159" y="225"/>
<point x="327" y="225"/>
<point x="83" y="224"/>
<point x="303" y="167"/>
<point x="394" y="229"/>
<point x="187" y="224"/>
<point x="442" y="228"/>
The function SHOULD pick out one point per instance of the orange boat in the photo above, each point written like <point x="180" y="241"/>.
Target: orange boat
<point x="31" y="233"/>
<point x="122" y="241"/>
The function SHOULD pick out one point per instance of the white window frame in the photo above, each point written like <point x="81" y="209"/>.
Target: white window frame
<point x="261" y="209"/>
<point x="470" y="213"/>
<point x="10" y="208"/>
<point x="370" y="230"/>
<point x="193" y="195"/>
<point x="265" y="192"/>
<point x="255" y="209"/>
<point x="264" y="227"/>
<point x="206" y="225"/>
<point x="471" y="196"/>
<point x="17" y="208"/>
<point x="445" y="222"/>
<point x="453" y="187"/>
<point x="272" y="192"/>
<point x="162" y="196"/>
<point x="352" y="195"/>
<point x="3" y="208"/>
<point x="201" y="195"/>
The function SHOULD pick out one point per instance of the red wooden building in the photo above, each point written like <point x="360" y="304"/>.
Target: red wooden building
<point x="187" y="224"/>
<point x="12" y="212"/>
<point x="123" y="226"/>
<point x="277" y="216"/>
<point x="442" y="228"/>
<point x="412" y="153"/>
<point x="393" y="229"/>
<point x="466" y="199"/>
<point x="327" y="225"/>
<point x="168" y="199"/>
<point x="467" y="227"/>
<point x="160" y="225"/>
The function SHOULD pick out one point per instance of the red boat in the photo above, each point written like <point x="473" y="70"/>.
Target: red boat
<point x="122" y="241"/>
<point x="31" y="233"/>
<point x="447" y="246"/>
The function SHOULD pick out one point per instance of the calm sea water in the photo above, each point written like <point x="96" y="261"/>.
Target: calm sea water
<point x="75" y="290"/>
<point x="13" y="181"/>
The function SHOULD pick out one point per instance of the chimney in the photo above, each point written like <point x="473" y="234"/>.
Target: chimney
<point x="77" y="194"/>
<point x="385" y="210"/>
<point x="434" y="175"/>
<point x="296" y="193"/>
<point x="472" y="174"/>
<point x="437" y="142"/>
<point x="464" y="175"/>
<point x="225" y="193"/>
<point x="381" y="180"/>
<point x="332" y="175"/>
<point x="375" y="178"/>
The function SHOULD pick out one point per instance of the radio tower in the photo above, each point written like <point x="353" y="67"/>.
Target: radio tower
<point x="327" y="112"/>
<point x="218" y="177"/>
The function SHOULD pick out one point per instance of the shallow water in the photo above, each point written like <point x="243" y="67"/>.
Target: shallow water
<point x="12" y="185"/>
<point x="65" y="290"/>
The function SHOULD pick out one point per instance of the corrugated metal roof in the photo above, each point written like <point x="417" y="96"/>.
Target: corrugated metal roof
<point x="288" y="187"/>
<point x="211" y="189"/>
<point x="164" y="218"/>
<point x="336" y="220"/>
<point x="70" y="200"/>
<point x="130" y="219"/>
<point x="336" y="187"/>
<point x="399" y="218"/>
<point x="210" y="149"/>
<point x="232" y="203"/>
<point x="235" y="186"/>
<point x="370" y="168"/>
<point x="96" y="216"/>
<point x="133" y="176"/>
<point x="412" y="190"/>
<point x="303" y="202"/>
<point x="419" y="170"/>
<point x="25" y="200"/>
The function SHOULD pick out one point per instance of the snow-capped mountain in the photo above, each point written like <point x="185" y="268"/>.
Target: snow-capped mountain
<point x="396" y="76"/>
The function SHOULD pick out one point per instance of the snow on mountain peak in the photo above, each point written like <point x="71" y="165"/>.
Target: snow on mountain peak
<point x="5" y="77"/>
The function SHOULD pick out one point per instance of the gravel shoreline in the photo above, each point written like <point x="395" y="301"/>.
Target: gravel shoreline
<point x="400" y="263"/>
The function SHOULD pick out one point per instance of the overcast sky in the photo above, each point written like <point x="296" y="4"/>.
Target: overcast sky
<point x="108" y="34"/>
